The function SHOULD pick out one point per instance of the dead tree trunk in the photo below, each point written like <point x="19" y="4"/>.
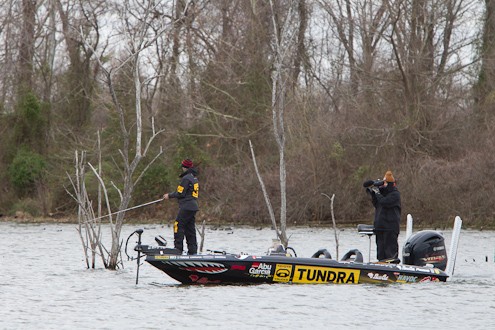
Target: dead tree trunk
<point x="285" y="29"/>
<point x="89" y="226"/>
<point x="138" y="40"/>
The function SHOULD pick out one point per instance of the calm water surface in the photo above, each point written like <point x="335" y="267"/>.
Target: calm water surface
<point x="44" y="285"/>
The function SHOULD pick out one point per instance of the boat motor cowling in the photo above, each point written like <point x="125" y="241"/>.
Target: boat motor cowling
<point x="425" y="247"/>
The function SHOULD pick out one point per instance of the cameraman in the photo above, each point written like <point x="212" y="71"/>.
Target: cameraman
<point x="386" y="200"/>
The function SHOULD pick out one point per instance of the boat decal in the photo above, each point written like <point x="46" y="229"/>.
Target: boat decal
<point x="242" y="256"/>
<point x="282" y="273"/>
<point x="415" y="269"/>
<point x="379" y="277"/>
<point x="312" y="274"/>
<point x="429" y="279"/>
<point x="238" y="267"/>
<point x="200" y="266"/>
<point x="406" y="278"/>
<point x="433" y="259"/>
<point x="202" y="280"/>
<point x="260" y="269"/>
<point x="384" y="264"/>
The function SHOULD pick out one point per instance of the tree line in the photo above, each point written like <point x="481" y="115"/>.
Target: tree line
<point x="405" y="85"/>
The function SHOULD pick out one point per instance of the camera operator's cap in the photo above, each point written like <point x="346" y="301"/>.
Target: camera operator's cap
<point x="389" y="177"/>
<point x="187" y="163"/>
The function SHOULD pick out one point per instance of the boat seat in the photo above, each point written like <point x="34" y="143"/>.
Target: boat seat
<point x="322" y="252"/>
<point x="161" y="240"/>
<point x="353" y="255"/>
<point x="366" y="229"/>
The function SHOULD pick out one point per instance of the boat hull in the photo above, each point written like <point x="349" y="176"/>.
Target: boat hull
<point x="243" y="269"/>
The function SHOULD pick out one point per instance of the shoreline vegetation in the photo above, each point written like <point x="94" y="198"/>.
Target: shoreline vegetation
<point x="291" y="101"/>
<point x="349" y="225"/>
<point x="319" y="95"/>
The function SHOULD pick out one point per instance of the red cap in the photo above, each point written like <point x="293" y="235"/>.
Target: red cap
<point x="187" y="163"/>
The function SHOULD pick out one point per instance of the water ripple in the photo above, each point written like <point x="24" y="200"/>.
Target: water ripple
<point x="46" y="286"/>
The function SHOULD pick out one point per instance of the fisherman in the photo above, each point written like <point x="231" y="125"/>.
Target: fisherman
<point x="386" y="200"/>
<point x="187" y="194"/>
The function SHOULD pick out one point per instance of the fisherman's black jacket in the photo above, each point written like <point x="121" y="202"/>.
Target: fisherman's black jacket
<point x="187" y="192"/>
<point x="387" y="209"/>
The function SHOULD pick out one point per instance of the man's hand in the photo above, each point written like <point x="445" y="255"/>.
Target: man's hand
<point x="165" y="196"/>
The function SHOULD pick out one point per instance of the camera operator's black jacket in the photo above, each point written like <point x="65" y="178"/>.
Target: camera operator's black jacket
<point x="187" y="191"/>
<point x="387" y="209"/>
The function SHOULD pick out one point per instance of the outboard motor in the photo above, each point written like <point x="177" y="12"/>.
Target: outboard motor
<point x="425" y="247"/>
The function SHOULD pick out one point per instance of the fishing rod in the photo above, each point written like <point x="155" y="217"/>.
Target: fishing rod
<point x="130" y="208"/>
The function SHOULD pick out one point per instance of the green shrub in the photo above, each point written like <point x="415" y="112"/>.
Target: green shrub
<point x="337" y="152"/>
<point x="31" y="124"/>
<point x="26" y="169"/>
<point x="26" y="206"/>
<point x="153" y="184"/>
<point x="187" y="147"/>
<point x="361" y="173"/>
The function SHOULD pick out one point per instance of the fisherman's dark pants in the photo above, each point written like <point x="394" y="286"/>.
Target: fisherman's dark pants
<point x="185" y="225"/>
<point x="387" y="246"/>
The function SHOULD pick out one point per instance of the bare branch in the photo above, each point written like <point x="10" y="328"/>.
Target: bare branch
<point x="333" y="221"/>
<point x="265" y="193"/>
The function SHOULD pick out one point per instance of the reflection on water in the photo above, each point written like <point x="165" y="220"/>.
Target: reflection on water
<point x="44" y="285"/>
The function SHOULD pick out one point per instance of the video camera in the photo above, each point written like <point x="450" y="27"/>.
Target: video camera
<point x="373" y="183"/>
<point x="372" y="186"/>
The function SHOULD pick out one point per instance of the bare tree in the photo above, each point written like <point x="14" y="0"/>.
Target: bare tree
<point x="137" y="19"/>
<point x="428" y="56"/>
<point x="26" y="49"/>
<point x="359" y="27"/>
<point x="283" y="51"/>
<point x="89" y="225"/>
<point x="335" y="232"/>
<point x="8" y="54"/>
<point x="80" y="26"/>
<point x="485" y="85"/>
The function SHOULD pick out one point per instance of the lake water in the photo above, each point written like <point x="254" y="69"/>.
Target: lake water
<point x="44" y="285"/>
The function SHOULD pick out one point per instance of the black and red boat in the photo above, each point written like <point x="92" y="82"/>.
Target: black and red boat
<point x="424" y="260"/>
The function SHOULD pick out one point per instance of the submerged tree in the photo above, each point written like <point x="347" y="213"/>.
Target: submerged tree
<point x="283" y="51"/>
<point x="141" y="30"/>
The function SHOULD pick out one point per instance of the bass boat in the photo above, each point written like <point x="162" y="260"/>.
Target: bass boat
<point x="424" y="259"/>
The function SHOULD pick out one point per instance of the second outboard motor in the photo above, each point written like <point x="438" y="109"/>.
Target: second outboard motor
<point x="425" y="247"/>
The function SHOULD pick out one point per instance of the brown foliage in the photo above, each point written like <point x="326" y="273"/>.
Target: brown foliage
<point x="375" y="90"/>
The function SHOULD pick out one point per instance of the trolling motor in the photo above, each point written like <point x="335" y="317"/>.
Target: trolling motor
<point x="144" y="249"/>
<point x="139" y="232"/>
